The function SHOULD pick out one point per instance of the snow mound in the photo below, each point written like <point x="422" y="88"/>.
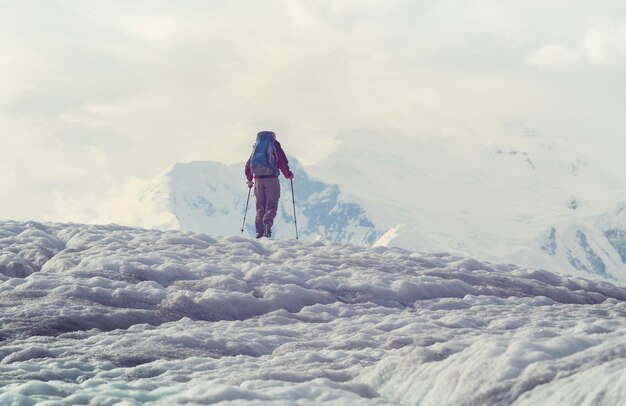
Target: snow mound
<point x="111" y="314"/>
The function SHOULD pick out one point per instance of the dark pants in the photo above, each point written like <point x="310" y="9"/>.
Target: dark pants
<point x="267" y="192"/>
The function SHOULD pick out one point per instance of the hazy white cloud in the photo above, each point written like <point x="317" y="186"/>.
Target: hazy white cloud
<point x="95" y="93"/>
<point x="605" y="45"/>
<point x="554" y="56"/>
<point x="121" y="204"/>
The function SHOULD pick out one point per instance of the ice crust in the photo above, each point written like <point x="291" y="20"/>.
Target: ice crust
<point x="111" y="315"/>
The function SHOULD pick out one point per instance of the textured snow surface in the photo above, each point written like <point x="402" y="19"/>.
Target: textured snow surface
<point x="108" y="315"/>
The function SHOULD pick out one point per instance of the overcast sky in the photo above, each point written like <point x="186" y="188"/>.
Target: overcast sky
<point x="98" y="97"/>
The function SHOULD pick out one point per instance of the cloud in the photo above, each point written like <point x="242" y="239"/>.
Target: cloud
<point x="8" y="179"/>
<point x="554" y="57"/>
<point x="104" y="92"/>
<point x="122" y="204"/>
<point x="605" y="45"/>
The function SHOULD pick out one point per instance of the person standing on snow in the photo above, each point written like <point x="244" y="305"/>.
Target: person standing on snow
<point x="264" y="164"/>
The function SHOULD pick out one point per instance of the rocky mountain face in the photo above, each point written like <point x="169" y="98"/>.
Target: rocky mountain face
<point x="595" y="247"/>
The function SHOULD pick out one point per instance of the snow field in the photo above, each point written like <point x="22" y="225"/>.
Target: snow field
<point x="106" y="315"/>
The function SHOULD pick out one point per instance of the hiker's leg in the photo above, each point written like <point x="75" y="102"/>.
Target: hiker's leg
<point x="272" y="194"/>
<point x="259" y="193"/>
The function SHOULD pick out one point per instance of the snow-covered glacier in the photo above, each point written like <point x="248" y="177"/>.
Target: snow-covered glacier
<point x="112" y="315"/>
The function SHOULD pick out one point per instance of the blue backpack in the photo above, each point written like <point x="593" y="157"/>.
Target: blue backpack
<point x="263" y="158"/>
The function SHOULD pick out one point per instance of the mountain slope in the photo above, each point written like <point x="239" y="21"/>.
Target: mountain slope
<point x="110" y="314"/>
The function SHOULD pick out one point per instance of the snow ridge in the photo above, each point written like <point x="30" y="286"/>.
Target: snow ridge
<point x="105" y="314"/>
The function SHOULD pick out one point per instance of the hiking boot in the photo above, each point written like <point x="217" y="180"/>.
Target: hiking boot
<point x="259" y="236"/>
<point x="268" y="231"/>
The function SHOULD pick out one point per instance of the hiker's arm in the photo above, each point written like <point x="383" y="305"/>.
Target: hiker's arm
<point x="249" y="175"/>
<point x="281" y="161"/>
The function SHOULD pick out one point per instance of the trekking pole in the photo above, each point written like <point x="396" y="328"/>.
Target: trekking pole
<point x="293" y="199"/>
<point x="246" y="210"/>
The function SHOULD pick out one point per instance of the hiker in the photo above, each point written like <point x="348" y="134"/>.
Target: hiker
<point x="266" y="160"/>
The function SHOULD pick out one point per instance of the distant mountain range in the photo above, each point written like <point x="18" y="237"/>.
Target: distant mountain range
<point x="526" y="201"/>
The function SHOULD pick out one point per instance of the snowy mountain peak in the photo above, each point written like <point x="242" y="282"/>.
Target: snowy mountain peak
<point x="211" y="197"/>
